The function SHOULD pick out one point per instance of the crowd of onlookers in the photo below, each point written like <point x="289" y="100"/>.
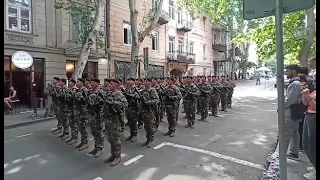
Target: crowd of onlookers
<point x="300" y="114"/>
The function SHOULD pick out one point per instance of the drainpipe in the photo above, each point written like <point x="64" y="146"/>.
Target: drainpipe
<point x="165" y="49"/>
<point x="107" y="27"/>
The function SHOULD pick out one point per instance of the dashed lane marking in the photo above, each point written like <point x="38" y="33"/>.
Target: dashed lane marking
<point x="221" y="156"/>
<point x="98" y="178"/>
<point x="133" y="160"/>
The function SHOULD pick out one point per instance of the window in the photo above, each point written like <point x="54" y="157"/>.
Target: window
<point x="204" y="71"/>
<point x="75" y="31"/>
<point x="19" y="15"/>
<point x="171" y="9"/>
<point x="127" y="36"/>
<point x="204" y="51"/>
<point x="191" y="47"/>
<point x="179" y="14"/>
<point x="155" y="40"/>
<point x="90" y="71"/>
<point x="155" y="4"/>
<point x="191" y="72"/>
<point x="180" y="46"/>
<point x="171" y="44"/>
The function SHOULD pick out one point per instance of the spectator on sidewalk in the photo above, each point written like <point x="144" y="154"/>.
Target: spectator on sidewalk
<point x="12" y="97"/>
<point x="309" y="129"/>
<point x="308" y="79"/>
<point x="313" y="66"/>
<point x="294" y="111"/>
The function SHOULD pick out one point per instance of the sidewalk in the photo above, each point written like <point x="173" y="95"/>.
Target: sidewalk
<point x="23" y="119"/>
<point x="296" y="169"/>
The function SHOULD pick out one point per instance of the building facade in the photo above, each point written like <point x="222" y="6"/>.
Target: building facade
<point x="49" y="36"/>
<point x="178" y="46"/>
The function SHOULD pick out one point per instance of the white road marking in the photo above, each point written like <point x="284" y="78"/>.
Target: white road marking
<point x="9" y="141"/>
<point x="5" y="165"/>
<point x="16" y="161"/>
<point x="98" y="178"/>
<point x="53" y="129"/>
<point x="235" y="160"/>
<point x="31" y="157"/>
<point x="24" y="135"/>
<point x="133" y="160"/>
<point x="160" y="145"/>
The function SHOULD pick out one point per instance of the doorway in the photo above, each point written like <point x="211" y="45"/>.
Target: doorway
<point x="176" y="73"/>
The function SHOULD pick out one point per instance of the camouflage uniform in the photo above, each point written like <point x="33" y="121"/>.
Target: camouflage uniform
<point x="191" y="93"/>
<point x="113" y="112"/>
<point x="140" y="121"/>
<point x="149" y="99"/>
<point x="215" y="97"/>
<point x="132" y="111"/>
<point x="49" y="106"/>
<point x="161" y="103"/>
<point x="224" y="96"/>
<point x="81" y="114"/>
<point x="123" y="123"/>
<point x="231" y="85"/>
<point x="156" y="109"/>
<point x="177" y="109"/>
<point x="95" y="103"/>
<point x="171" y="100"/>
<point x="63" y="109"/>
<point x="72" y="120"/>
<point x="204" y="97"/>
<point x="55" y="106"/>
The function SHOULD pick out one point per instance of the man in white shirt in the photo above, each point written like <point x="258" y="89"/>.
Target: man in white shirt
<point x="313" y="66"/>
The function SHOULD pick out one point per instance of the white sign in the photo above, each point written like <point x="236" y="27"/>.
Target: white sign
<point x="22" y="60"/>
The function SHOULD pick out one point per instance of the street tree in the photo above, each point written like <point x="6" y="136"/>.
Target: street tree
<point x="87" y="16"/>
<point x="147" y="25"/>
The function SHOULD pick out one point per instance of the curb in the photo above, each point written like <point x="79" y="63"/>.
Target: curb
<point x="25" y="123"/>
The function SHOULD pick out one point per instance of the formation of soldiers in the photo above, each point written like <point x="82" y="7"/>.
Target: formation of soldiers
<point x="142" y="102"/>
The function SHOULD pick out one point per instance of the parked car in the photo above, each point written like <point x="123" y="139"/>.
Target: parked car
<point x="286" y="82"/>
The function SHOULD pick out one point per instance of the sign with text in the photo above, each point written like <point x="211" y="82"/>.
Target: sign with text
<point x="22" y="59"/>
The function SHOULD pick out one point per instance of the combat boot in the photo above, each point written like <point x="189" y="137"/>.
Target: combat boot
<point x="156" y="129"/>
<point x="98" y="154"/>
<point x="145" y="143"/>
<point x="204" y="119"/>
<point x="192" y="126"/>
<point x="65" y="137"/>
<point x="79" y="145"/>
<point x="83" y="147"/>
<point x="129" y="138"/>
<point x="140" y="126"/>
<point x="73" y="141"/>
<point x="58" y="131"/>
<point x="150" y="144"/>
<point x="55" y="130"/>
<point x="94" y="151"/>
<point x="110" y="159"/>
<point x="188" y="125"/>
<point x="62" y="135"/>
<point x="134" y="138"/>
<point x="69" y="140"/>
<point x="167" y="133"/>
<point x="115" y="161"/>
<point x="172" y="134"/>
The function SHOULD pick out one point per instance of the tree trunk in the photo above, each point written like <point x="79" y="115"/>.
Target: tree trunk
<point x="245" y="60"/>
<point x="138" y="37"/>
<point x="86" y="47"/>
<point x="305" y="50"/>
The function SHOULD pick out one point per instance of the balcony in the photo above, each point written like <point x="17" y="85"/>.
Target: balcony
<point x="184" y="26"/>
<point x="181" y="57"/>
<point x="163" y="18"/>
<point x="219" y="47"/>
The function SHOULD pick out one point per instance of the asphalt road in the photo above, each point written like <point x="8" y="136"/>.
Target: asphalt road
<point x="233" y="146"/>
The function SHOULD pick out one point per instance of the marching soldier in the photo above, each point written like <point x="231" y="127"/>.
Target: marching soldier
<point x="132" y="111"/>
<point x="64" y="112"/>
<point x="149" y="98"/>
<point x="172" y="97"/>
<point x="156" y="108"/>
<point x="224" y="94"/>
<point x="71" y="105"/>
<point x="191" y="93"/>
<point x="80" y="111"/>
<point x="49" y="107"/>
<point x="55" y="108"/>
<point x="232" y="85"/>
<point x="95" y="102"/>
<point x="204" y="97"/>
<point x="114" y="109"/>
<point x="215" y="96"/>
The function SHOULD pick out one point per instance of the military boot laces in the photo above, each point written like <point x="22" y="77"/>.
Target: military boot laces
<point x="115" y="161"/>
<point x="110" y="159"/>
<point x="83" y="147"/>
<point x="94" y="151"/>
<point x="134" y="138"/>
<point x="98" y="154"/>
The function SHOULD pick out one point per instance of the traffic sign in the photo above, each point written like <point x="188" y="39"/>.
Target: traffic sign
<point x="254" y="9"/>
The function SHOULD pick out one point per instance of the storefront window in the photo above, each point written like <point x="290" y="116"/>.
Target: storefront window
<point x="89" y="72"/>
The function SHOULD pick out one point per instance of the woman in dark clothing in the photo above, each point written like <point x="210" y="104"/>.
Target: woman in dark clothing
<point x="12" y="97"/>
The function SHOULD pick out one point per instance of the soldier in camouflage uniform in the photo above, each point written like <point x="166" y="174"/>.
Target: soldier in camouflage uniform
<point x="81" y="113"/>
<point x="132" y="111"/>
<point x="215" y="96"/>
<point x="149" y="98"/>
<point x="177" y="84"/>
<point x="72" y="118"/>
<point x="123" y="123"/>
<point x="190" y="96"/>
<point x="115" y="105"/>
<point x="231" y="85"/>
<point x="224" y="94"/>
<point x="64" y="112"/>
<point x="197" y="80"/>
<point x="172" y="97"/>
<point x="140" y="87"/>
<point x="156" y="108"/>
<point x="205" y="90"/>
<point x="49" y="107"/>
<point x="95" y="102"/>
<point x="53" y="94"/>
<point x="161" y="83"/>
